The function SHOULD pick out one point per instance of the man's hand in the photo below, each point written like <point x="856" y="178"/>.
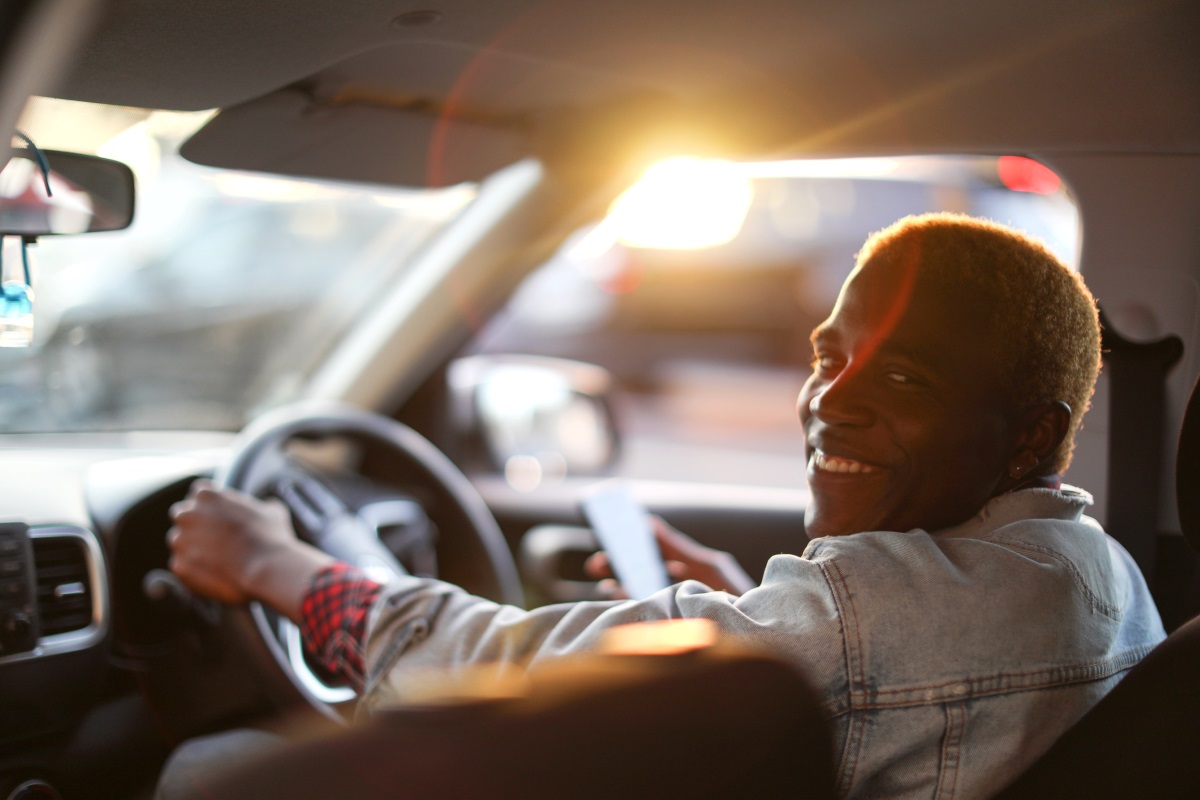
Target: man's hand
<point x="686" y="559"/>
<point x="235" y="548"/>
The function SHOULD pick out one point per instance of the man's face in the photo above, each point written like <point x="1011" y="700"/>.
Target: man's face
<point x="905" y="416"/>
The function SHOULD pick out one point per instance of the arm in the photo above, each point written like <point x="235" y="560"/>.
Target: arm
<point x="424" y="630"/>
<point x="236" y="548"/>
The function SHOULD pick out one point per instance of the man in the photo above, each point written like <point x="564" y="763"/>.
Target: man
<point x="954" y="610"/>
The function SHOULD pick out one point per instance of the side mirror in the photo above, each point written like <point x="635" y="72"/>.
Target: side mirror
<point x="87" y="194"/>
<point x="533" y="418"/>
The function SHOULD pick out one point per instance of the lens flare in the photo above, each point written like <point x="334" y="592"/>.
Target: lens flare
<point x="683" y="204"/>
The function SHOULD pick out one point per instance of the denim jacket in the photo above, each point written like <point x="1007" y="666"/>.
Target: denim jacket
<point x="947" y="661"/>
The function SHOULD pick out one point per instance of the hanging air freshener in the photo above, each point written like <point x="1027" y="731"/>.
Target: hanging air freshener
<point x="16" y="293"/>
<point x="16" y="302"/>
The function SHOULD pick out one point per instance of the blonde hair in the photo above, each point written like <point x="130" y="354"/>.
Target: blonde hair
<point x="1045" y="325"/>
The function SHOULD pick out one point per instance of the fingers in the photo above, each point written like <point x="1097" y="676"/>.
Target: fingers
<point x="202" y="486"/>
<point x="610" y="589"/>
<point x="197" y="523"/>
<point x="206" y="501"/>
<point x="673" y="544"/>
<point x="684" y="557"/>
<point x="201" y="492"/>
<point x="598" y="566"/>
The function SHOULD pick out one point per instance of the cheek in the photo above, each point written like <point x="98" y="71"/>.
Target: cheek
<point x="963" y="459"/>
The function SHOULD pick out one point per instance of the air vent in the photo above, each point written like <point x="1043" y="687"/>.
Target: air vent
<point x="64" y="592"/>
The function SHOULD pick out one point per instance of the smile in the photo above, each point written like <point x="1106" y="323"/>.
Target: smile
<point x="827" y="463"/>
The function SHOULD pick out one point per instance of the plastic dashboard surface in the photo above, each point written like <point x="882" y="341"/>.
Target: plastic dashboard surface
<point x="63" y="499"/>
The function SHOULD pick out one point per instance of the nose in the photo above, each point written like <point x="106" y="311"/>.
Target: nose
<point x="840" y="401"/>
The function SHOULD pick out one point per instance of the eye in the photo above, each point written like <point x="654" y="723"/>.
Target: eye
<point x="905" y="378"/>
<point x="825" y="364"/>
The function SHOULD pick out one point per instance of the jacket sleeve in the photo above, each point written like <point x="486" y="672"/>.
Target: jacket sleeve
<point x="421" y="631"/>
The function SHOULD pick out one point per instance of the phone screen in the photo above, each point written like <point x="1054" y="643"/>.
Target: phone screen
<point x="624" y="530"/>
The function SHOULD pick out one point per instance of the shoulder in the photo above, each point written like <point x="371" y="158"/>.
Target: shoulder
<point x="1034" y="542"/>
<point x="1034" y="516"/>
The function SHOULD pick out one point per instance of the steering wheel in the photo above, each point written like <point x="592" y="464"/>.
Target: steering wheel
<point x="478" y="555"/>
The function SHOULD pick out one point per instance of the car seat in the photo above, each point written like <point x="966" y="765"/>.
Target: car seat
<point x="1140" y="740"/>
<point x="709" y="724"/>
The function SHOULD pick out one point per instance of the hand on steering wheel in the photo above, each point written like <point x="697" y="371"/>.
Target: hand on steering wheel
<point x="275" y="567"/>
<point x="235" y="548"/>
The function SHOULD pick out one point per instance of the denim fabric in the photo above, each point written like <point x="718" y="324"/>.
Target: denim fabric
<point x="947" y="661"/>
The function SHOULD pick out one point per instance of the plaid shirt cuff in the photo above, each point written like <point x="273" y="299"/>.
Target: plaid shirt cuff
<point x="333" y="622"/>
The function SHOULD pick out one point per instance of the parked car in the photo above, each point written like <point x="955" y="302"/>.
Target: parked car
<point x="458" y="148"/>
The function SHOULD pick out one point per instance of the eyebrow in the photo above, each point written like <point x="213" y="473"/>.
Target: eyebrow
<point x="893" y="348"/>
<point x="824" y="333"/>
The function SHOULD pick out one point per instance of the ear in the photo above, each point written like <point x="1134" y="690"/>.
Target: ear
<point x="1041" y="431"/>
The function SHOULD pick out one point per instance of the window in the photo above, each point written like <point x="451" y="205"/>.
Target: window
<point x="710" y="345"/>
<point x="219" y="298"/>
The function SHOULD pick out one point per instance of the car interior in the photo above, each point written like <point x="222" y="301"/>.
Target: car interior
<point x="368" y="258"/>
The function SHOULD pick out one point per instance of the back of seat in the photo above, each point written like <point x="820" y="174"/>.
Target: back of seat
<point x="1141" y="740"/>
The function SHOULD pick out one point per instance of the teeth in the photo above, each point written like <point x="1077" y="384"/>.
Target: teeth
<point x="840" y="465"/>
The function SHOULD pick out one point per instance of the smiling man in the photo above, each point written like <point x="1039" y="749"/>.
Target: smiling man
<point x="955" y="367"/>
<point x="955" y="609"/>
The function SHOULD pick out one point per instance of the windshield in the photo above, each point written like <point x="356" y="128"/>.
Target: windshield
<point x="216" y="302"/>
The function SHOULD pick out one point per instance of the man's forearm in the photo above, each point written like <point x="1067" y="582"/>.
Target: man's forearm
<point x="280" y="577"/>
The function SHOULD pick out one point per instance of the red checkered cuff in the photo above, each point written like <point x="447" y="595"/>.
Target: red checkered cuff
<point x="333" y="622"/>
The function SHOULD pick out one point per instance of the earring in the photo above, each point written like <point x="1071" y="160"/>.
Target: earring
<point x="1026" y="464"/>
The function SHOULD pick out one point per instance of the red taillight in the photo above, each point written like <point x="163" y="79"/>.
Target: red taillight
<point x="1026" y="175"/>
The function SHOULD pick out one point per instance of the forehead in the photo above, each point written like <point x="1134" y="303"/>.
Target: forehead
<point x="894" y="307"/>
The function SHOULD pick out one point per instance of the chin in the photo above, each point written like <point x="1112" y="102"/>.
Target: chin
<point x="847" y="518"/>
<point x="817" y="525"/>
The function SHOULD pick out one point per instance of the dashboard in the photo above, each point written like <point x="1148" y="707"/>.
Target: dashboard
<point x="81" y="517"/>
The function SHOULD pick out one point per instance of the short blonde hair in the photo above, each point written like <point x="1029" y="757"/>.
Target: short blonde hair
<point x="1046" y="325"/>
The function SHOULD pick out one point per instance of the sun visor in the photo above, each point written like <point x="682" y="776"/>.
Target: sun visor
<point x="286" y="133"/>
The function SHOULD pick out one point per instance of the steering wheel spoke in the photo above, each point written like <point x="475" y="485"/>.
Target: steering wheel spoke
<point x="314" y="507"/>
<point x="322" y="518"/>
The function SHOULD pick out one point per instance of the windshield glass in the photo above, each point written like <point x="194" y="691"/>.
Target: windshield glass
<point x="216" y="302"/>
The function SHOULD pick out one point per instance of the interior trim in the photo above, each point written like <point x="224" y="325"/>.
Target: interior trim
<point x="95" y="632"/>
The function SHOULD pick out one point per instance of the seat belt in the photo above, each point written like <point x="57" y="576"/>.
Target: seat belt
<point x="1137" y="377"/>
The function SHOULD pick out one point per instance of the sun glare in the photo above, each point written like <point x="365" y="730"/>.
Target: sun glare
<point x="683" y="204"/>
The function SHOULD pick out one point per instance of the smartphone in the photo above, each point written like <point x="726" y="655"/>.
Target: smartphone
<point x="624" y="530"/>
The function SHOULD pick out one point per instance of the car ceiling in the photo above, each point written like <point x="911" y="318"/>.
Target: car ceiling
<point x="449" y="90"/>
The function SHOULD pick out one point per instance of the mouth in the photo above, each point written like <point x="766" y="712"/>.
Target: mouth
<point x="821" y="461"/>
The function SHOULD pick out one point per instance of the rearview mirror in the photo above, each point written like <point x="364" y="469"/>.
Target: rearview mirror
<point x="87" y="194"/>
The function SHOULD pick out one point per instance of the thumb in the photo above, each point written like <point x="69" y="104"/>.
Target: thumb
<point x="598" y="565"/>
<point x="673" y="544"/>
